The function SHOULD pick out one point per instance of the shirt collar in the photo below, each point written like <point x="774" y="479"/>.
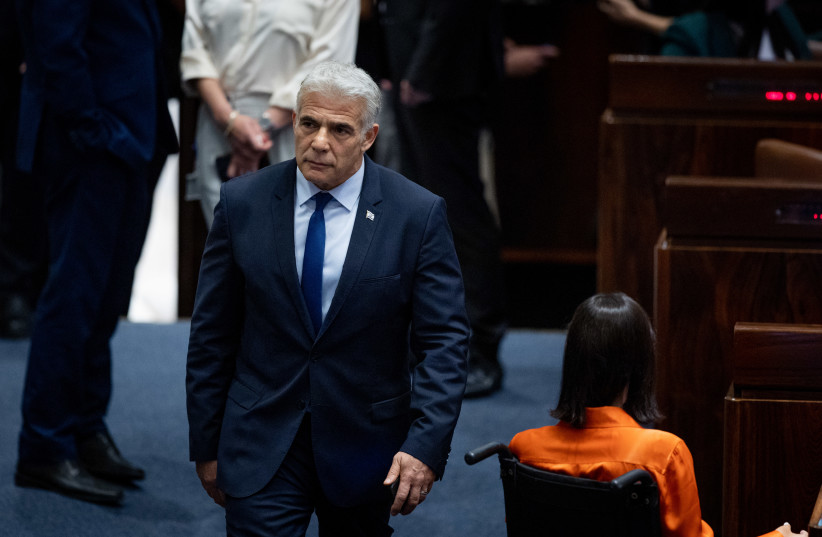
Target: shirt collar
<point x="346" y="194"/>
<point x="604" y="417"/>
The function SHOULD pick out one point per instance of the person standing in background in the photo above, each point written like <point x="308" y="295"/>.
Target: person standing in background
<point x="22" y="218"/>
<point x="246" y="60"/>
<point x="445" y="66"/>
<point x="94" y="131"/>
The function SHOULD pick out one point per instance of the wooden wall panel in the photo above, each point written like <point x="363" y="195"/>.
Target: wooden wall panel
<point x="638" y="154"/>
<point x="773" y="464"/>
<point x="658" y="134"/>
<point x="702" y="290"/>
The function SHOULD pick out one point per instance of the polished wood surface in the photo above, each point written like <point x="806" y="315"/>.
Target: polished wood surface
<point x="778" y="357"/>
<point x="743" y="207"/>
<point x="723" y="86"/>
<point x="773" y="428"/>
<point x="772" y="457"/>
<point x="651" y="132"/>
<point x="703" y="288"/>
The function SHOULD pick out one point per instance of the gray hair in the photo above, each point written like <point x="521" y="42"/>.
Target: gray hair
<point x="346" y="80"/>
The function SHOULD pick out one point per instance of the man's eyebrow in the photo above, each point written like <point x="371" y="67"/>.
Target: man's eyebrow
<point x="332" y="124"/>
<point x="344" y="124"/>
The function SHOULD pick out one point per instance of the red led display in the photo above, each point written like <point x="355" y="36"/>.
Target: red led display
<point x="790" y="96"/>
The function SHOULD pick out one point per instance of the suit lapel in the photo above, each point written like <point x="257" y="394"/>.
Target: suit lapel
<point x="366" y="222"/>
<point x="282" y="209"/>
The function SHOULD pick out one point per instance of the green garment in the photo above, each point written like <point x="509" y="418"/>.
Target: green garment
<point x="712" y="35"/>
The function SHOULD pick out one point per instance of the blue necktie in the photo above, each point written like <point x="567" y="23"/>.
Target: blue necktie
<point x="312" y="278"/>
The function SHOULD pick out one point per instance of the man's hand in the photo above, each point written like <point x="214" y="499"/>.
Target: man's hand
<point x="410" y="96"/>
<point x="207" y="472"/>
<point x="525" y="60"/>
<point x="416" y="480"/>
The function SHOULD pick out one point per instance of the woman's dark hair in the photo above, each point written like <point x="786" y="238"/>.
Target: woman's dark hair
<point x="610" y="345"/>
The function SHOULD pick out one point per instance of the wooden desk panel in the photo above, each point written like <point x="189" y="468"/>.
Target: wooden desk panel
<point x="773" y="468"/>
<point x="637" y="154"/>
<point x="664" y="119"/>
<point x="703" y="289"/>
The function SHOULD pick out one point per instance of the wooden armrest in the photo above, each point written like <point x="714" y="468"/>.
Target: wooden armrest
<point x="776" y="158"/>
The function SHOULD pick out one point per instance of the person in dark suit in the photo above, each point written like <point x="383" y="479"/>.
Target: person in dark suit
<point x="22" y="219"/>
<point x="94" y="128"/>
<point x="319" y="388"/>
<point x="445" y="64"/>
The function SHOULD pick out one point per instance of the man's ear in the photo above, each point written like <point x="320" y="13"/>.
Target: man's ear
<point x="370" y="136"/>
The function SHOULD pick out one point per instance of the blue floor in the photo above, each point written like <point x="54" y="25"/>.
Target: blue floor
<point x="147" y="418"/>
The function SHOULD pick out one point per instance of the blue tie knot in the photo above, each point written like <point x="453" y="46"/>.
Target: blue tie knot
<point x="320" y="200"/>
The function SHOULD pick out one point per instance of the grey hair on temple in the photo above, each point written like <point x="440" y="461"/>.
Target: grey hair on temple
<point x="346" y="80"/>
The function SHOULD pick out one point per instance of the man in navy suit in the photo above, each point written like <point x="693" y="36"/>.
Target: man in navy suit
<point x="94" y="129"/>
<point x="291" y="413"/>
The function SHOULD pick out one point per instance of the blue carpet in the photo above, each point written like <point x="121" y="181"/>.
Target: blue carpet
<point x="147" y="418"/>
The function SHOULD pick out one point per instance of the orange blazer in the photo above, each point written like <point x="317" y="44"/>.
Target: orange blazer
<point x="612" y="443"/>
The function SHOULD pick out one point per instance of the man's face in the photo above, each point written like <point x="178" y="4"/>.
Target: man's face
<point x="329" y="140"/>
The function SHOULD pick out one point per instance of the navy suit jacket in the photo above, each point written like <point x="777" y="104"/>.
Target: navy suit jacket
<point x="96" y="66"/>
<point x="385" y="373"/>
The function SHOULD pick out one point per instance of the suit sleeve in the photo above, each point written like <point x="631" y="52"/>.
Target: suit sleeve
<point x="214" y="339"/>
<point x="439" y="342"/>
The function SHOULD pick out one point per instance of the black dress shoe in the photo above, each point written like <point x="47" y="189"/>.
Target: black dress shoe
<point x="69" y="479"/>
<point x="484" y="377"/>
<point x="101" y="458"/>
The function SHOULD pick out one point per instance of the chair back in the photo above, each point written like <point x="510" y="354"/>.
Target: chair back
<point x="542" y="503"/>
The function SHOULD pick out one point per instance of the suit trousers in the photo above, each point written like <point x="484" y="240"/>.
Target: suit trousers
<point x="284" y="506"/>
<point x="440" y="151"/>
<point x="97" y="212"/>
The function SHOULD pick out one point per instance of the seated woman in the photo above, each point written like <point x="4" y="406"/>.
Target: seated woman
<point x="607" y="390"/>
<point x="764" y="29"/>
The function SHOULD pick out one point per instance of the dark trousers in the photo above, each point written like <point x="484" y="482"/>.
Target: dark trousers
<point x="440" y="151"/>
<point x="97" y="212"/>
<point x="284" y="506"/>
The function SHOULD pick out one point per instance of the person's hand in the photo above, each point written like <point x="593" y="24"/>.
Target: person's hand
<point x="278" y="117"/>
<point x="207" y="472"/>
<point x="626" y="12"/>
<point x="416" y="480"/>
<point x="619" y="11"/>
<point x="785" y="530"/>
<point x="525" y="60"/>
<point x="248" y="145"/>
<point x="410" y="96"/>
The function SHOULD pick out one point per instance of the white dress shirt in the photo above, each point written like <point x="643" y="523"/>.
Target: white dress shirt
<point x="339" y="214"/>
